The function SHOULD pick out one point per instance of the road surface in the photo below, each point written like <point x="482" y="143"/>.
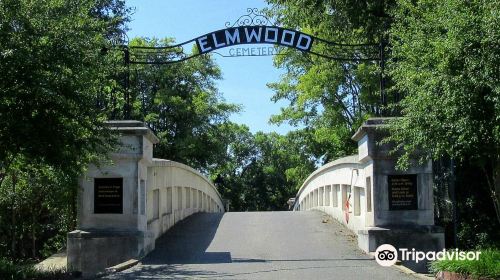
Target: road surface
<point x="258" y="245"/>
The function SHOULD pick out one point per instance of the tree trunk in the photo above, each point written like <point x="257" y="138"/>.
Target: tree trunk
<point x="13" y="216"/>
<point x="493" y="180"/>
<point x="33" y="236"/>
<point x="495" y="188"/>
<point x="74" y="214"/>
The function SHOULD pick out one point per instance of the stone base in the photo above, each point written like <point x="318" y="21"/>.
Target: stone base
<point x="91" y="252"/>
<point x="422" y="238"/>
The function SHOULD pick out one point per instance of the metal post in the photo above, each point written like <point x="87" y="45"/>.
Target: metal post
<point x="126" y="57"/>
<point x="453" y="201"/>
<point x="383" y="100"/>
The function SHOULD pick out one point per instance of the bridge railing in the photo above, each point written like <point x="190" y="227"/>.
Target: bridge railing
<point x="176" y="191"/>
<point x="340" y="189"/>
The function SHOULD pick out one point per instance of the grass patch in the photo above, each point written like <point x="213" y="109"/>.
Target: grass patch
<point x="13" y="271"/>
<point x="487" y="266"/>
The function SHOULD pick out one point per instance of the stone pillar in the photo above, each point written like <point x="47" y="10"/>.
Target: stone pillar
<point x="112" y="221"/>
<point x="403" y="201"/>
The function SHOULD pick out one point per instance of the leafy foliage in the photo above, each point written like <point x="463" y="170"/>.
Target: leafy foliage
<point x="478" y="226"/>
<point x="37" y="205"/>
<point x="263" y="171"/>
<point x="445" y="60"/>
<point x="487" y="266"/>
<point x="330" y="98"/>
<point x="52" y="70"/>
<point x="53" y="74"/>
<point x="182" y="106"/>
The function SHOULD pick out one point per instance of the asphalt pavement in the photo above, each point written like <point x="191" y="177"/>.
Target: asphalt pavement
<point x="259" y="245"/>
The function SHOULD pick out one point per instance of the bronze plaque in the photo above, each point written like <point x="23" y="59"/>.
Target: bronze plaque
<point x="108" y="195"/>
<point x="403" y="192"/>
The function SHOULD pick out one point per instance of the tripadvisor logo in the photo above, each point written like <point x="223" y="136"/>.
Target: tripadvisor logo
<point x="387" y="255"/>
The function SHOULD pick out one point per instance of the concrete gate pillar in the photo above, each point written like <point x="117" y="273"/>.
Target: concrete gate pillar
<point x="112" y="221"/>
<point x="403" y="201"/>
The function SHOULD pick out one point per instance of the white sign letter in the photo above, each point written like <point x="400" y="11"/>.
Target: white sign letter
<point x="217" y="44"/>
<point x="304" y="46"/>
<point x="283" y="37"/>
<point x="275" y="32"/>
<point x="202" y="42"/>
<point x="234" y="38"/>
<point x="231" y="52"/>
<point x="253" y="34"/>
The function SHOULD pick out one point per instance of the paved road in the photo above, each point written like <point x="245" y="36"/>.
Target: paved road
<point x="258" y="245"/>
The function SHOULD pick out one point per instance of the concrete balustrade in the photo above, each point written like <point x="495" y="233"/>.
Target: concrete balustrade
<point x="126" y="203"/>
<point x="177" y="191"/>
<point x="329" y="188"/>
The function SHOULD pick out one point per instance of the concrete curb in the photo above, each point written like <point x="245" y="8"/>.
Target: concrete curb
<point x="119" y="267"/>
<point x="408" y="271"/>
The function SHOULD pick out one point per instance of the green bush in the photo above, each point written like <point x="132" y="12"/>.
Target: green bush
<point x="488" y="265"/>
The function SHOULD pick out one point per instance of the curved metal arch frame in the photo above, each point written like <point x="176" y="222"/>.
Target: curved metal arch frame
<point x="253" y="18"/>
<point x="145" y="52"/>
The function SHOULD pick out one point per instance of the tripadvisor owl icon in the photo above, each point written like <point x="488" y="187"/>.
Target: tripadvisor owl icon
<point x="386" y="255"/>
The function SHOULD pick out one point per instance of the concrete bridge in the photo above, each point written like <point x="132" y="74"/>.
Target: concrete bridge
<point x="172" y="218"/>
<point x="126" y="204"/>
<point x="376" y="201"/>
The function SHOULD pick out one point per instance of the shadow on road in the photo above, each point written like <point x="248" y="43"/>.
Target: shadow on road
<point x="187" y="242"/>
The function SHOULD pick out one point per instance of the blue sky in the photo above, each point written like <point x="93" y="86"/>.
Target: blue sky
<point x="244" y="78"/>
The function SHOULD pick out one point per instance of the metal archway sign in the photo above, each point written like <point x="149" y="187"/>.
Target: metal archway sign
<point x="253" y="35"/>
<point x="252" y="28"/>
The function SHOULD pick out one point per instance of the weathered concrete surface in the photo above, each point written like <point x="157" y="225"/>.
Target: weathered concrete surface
<point x="258" y="245"/>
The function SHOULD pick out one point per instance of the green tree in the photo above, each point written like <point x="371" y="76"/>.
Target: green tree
<point x="331" y="98"/>
<point x="264" y="170"/>
<point x="182" y="105"/>
<point x="37" y="209"/>
<point x="53" y="75"/>
<point x="52" y="72"/>
<point x="241" y="153"/>
<point x="282" y="169"/>
<point x="445" y="61"/>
